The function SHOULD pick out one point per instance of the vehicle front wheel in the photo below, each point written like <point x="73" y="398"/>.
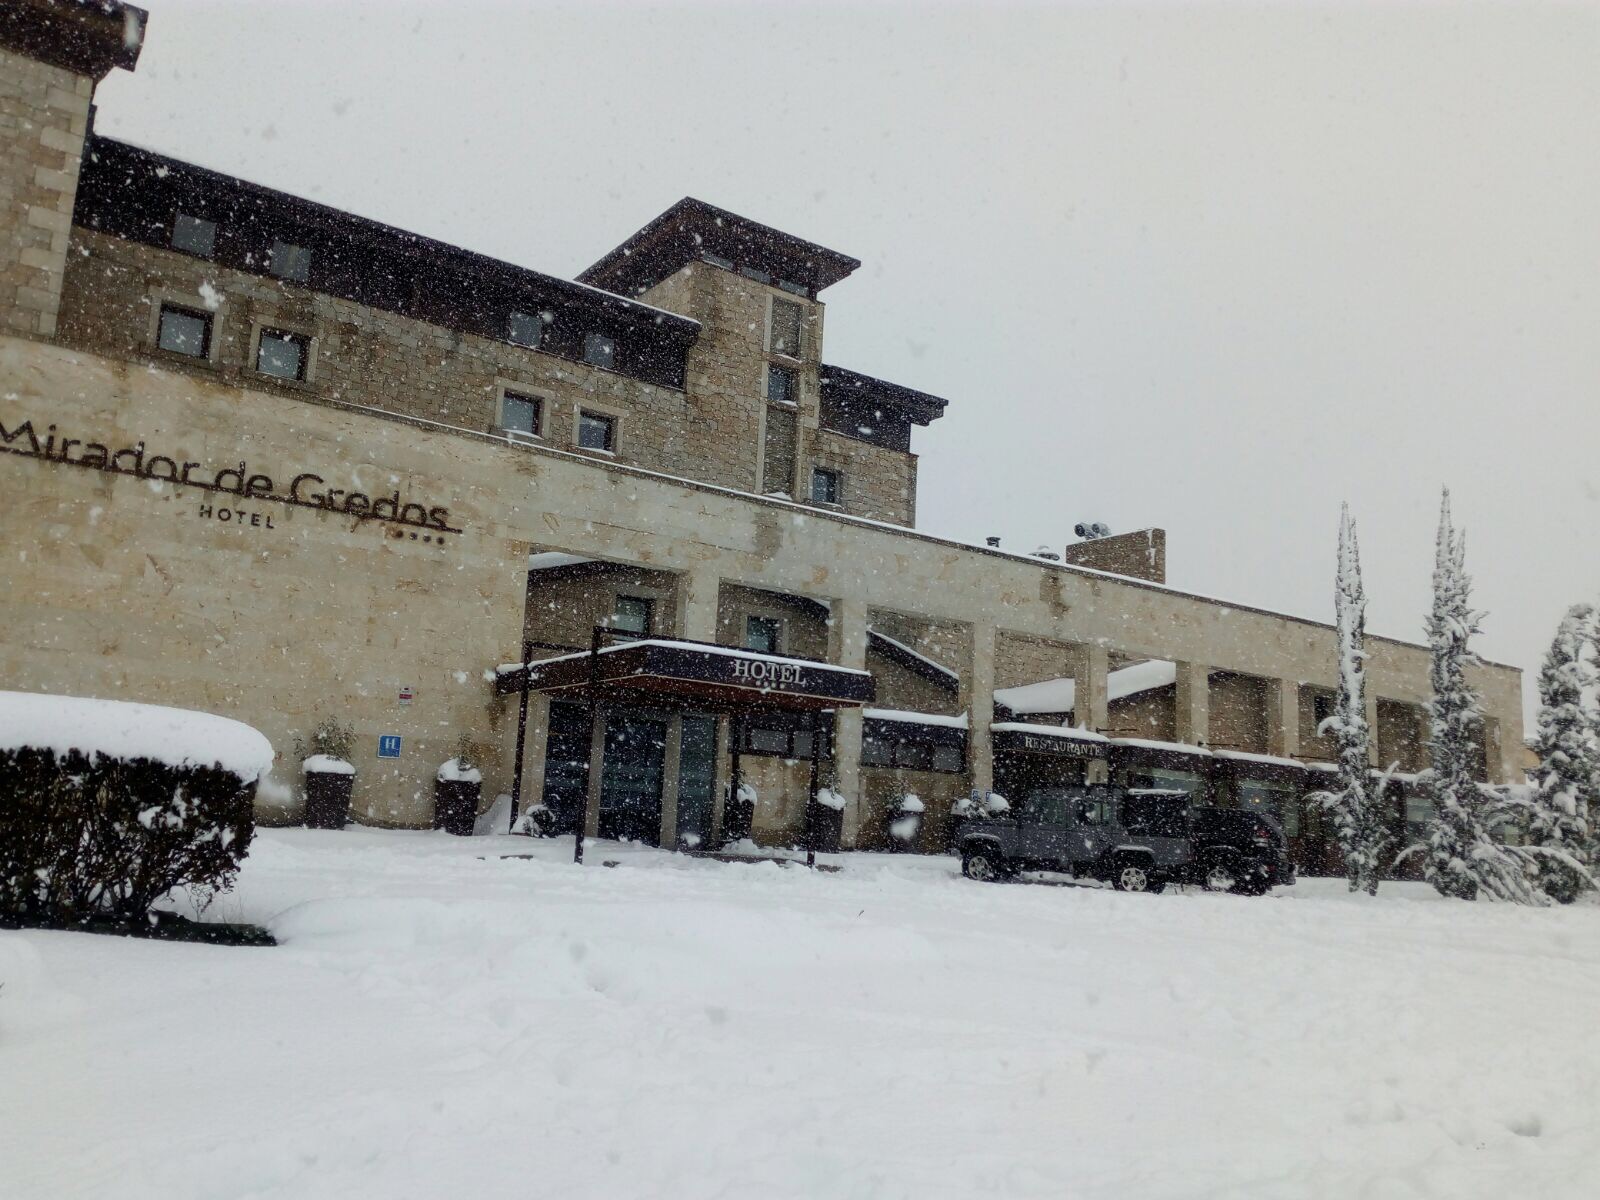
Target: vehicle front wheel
<point x="983" y="865"/>
<point x="1134" y="875"/>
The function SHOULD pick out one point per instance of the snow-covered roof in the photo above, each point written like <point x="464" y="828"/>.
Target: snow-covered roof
<point x="916" y="718"/>
<point x="1270" y="760"/>
<point x="704" y="647"/>
<point x="1169" y="747"/>
<point x="930" y="664"/>
<point x="1060" y="695"/>
<point x="1061" y="731"/>
<point x="179" y="737"/>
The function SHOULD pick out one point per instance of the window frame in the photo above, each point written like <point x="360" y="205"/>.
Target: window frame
<point x="280" y="333"/>
<point x="835" y="499"/>
<point x="210" y="252"/>
<point x="292" y="252"/>
<point x="208" y="319"/>
<point x="771" y="623"/>
<point x="612" y="423"/>
<point x="610" y="345"/>
<point x="511" y="392"/>
<point x="539" y="324"/>
<point x="779" y="371"/>
<point x="647" y="603"/>
<point x="795" y="352"/>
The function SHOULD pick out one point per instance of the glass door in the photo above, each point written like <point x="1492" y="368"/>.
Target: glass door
<point x="630" y="778"/>
<point x="697" y="774"/>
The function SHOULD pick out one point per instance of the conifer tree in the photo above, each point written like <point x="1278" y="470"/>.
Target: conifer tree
<point x="1462" y="858"/>
<point x="1353" y="806"/>
<point x="1558" y="820"/>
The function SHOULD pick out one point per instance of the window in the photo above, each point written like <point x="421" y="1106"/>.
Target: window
<point x="282" y="355"/>
<point x="824" y="486"/>
<point x="596" y="431"/>
<point x="769" y="741"/>
<point x="520" y="414"/>
<point x="524" y="329"/>
<point x="632" y="614"/>
<point x="948" y="758"/>
<point x="762" y="634"/>
<point x="782" y="386"/>
<point x="1322" y="709"/>
<point x="599" y="350"/>
<point x="910" y="747"/>
<point x="290" y="262"/>
<point x="914" y="756"/>
<point x="785" y="337"/>
<point x="786" y="736"/>
<point x="195" y="235"/>
<point x="184" y="331"/>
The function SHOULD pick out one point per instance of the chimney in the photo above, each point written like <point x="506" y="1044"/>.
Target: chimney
<point x="1138" y="555"/>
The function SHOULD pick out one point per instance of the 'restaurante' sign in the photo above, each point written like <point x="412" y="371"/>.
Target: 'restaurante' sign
<point x="305" y="490"/>
<point x="1044" y="743"/>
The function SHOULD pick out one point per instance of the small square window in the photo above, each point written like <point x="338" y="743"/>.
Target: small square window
<point x="768" y="741"/>
<point x="1322" y="708"/>
<point x="785" y="339"/>
<point x="282" y="355"/>
<point x="824" y="486"/>
<point x="524" y="329"/>
<point x="632" y="614"/>
<point x="599" y="350"/>
<point x="876" y="752"/>
<point x="520" y="414"/>
<point x="184" y="331"/>
<point x="596" y="431"/>
<point x="915" y="756"/>
<point x="194" y="235"/>
<point x="762" y="634"/>
<point x="782" y="386"/>
<point x="290" y="262"/>
<point x="947" y="758"/>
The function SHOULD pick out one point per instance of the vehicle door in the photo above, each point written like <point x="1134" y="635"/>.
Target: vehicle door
<point x="1093" y="825"/>
<point x="1042" y="834"/>
<point x="1159" y="820"/>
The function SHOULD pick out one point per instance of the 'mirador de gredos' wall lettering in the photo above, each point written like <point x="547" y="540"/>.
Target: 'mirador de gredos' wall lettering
<point x="305" y="490"/>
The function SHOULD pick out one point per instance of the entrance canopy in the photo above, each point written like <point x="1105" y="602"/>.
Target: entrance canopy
<point x="697" y="674"/>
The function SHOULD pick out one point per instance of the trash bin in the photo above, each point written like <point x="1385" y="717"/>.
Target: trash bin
<point x="905" y="825"/>
<point x="329" y="783"/>
<point x="455" y="798"/>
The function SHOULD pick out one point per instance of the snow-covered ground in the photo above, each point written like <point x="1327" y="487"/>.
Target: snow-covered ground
<point x="444" y="1022"/>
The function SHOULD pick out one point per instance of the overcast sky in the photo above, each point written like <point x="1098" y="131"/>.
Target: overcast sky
<point x="1210" y="267"/>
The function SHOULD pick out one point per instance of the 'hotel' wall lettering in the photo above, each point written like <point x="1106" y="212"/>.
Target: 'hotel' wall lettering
<point x="305" y="490"/>
<point x="765" y="672"/>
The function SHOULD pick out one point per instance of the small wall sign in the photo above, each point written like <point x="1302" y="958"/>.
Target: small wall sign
<point x="407" y="693"/>
<point x="389" y="745"/>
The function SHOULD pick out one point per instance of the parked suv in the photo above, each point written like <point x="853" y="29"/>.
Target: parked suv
<point x="1237" y="850"/>
<point x="1138" y="839"/>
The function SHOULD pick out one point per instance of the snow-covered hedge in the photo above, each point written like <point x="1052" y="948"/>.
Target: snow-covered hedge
<point x="106" y="806"/>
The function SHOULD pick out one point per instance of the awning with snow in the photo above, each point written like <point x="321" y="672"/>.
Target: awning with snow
<point x="663" y="670"/>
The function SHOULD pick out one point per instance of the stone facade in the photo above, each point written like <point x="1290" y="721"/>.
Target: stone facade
<point x="44" y="116"/>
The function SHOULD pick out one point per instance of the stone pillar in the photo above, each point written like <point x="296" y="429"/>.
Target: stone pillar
<point x="1091" y="667"/>
<point x="535" y="750"/>
<point x="977" y="693"/>
<point x="597" y="751"/>
<point x="1283" y="718"/>
<point x="669" y="781"/>
<point x="1194" y="703"/>
<point x="847" y="647"/>
<point x="1493" y="754"/>
<point x="696" y="616"/>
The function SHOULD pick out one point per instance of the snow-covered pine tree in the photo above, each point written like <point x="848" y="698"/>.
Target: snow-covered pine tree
<point x="1557" y="820"/>
<point x="1356" y="814"/>
<point x="1462" y="859"/>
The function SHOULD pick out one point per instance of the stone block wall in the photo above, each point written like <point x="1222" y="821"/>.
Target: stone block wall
<point x="44" y="117"/>
<point x="1238" y="713"/>
<point x="565" y="605"/>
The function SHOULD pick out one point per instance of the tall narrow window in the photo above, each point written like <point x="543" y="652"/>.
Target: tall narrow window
<point x="520" y="414"/>
<point x="824" y="486"/>
<point x="525" y="329"/>
<point x="782" y="386"/>
<point x="596" y="431"/>
<point x="785" y="337"/>
<point x="762" y="634"/>
<point x="194" y="235"/>
<point x="290" y="262"/>
<point x="282" y="355"/>
<point x="185" y="331"/>
<point x="599" y="350"/>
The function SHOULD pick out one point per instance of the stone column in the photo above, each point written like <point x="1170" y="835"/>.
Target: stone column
<point x="1194" y="703"/>
<point x="696" y="615"/>
<point x="535" y="750"/>
<point x="847" y="647"/>
<point x="977" y="693"/>
<point x="1091" y="666"/>
<point x="669" y="781"/>
<point x="597" y="751"/>
<point x="1283" y="718"/>
<point x="1494" y="770"/>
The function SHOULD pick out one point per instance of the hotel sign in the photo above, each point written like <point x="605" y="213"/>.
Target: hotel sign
<point x="305" y="489"/>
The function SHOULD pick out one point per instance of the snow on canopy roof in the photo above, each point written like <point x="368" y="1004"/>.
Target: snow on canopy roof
<point x="549" y="560"/>
<point x="1169" y="747"/>
<point x="178" y="737"/>
<point x="1269" y="760"/>
<point x="1061" y="731"/>
<point x="1060" y="695"/>
<point x="916" y="718"/>
<point x="703" y="647"/>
